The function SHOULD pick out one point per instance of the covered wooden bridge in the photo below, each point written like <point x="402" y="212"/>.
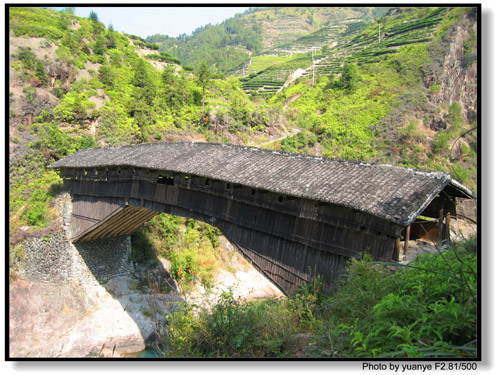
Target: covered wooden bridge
<point x="294" y="216"/>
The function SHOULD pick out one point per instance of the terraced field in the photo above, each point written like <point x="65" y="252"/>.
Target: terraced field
<point x="365" y="46"/>
<point x="268" y="81"/>
<point x="395" y="32"/>
<point x="353" y="40"/>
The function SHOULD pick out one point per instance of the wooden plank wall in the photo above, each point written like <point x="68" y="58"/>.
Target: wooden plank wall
<point x="290" y="239"/>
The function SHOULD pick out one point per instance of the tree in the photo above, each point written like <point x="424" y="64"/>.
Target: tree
<point x="69" y="10"/>
<point x="97" y="26"/>
<point x="324" y="50"/>
<point x="110" y="38"/>
<point x="41" y="73"/>
<point x="93" y="16"/>
<point x="100" y="46"/>
<point x="203" y="80"/>
<point x="27" y="57"/>
<point x="350" y="77"/>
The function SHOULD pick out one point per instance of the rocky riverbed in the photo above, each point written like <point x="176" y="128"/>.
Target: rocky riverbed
<point x="53" y="315"/>
<point x="89" y="300"/>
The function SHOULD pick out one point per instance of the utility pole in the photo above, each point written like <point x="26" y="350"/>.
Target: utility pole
<point x="312" y="57"/>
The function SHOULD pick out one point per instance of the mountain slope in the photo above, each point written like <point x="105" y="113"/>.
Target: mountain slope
<point x="76" y="84"/>
<point x="413" y="104"/>
<point x="261" y="30"/>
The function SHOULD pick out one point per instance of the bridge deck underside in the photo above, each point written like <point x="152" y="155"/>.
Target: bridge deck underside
<point x="290" y="240"/>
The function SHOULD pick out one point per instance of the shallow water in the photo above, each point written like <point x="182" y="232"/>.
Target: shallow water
<point x="147" y="353"/>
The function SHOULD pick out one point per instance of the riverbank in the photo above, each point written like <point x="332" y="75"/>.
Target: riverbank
<point x="91" y="301"/>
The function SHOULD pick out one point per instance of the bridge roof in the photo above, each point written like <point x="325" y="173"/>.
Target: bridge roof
<point x="394" y="193"/>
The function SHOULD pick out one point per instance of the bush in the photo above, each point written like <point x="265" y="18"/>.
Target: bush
<point x="232" y="329"/>
<point x="37" y="213"/>
<point x="143" y="250"/>
<point x="427" y="309"/>
<point x="41" y="73"/>
<point x="27" y="57"/>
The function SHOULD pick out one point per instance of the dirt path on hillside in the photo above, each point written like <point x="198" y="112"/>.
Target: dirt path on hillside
<point x="293" y="131"/>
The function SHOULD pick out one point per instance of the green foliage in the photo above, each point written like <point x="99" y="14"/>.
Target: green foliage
<point x="86" y="141"/>
<point x="68" y="10"/>
<point x="298" y="142"/>
<point x="454" y="117"/>
<point x="41" y="73"/>
<point x="350" y="78"/>
<point x="461" y="174"/>
<point x="93" y="16"/>
<point x="203" y="79"/>
<point x="434" y="89"/>
<point x="27" y="57"/>
<point x="143" y="250"/>
<point x="195" y="260"/>
<point x="37" y="22"/>
<point x="36" y="215"/>
<point x="189" y="245"/>
<point x="222" y="46"/>
<point x="74" y="107"/>
<point x="232" y="329"/>
<point x="164" y="57"/>
<point x="261" y="63"/>
<point x="427" y="308"/>
<point x="100" y="45"/>
<point x="30" y="93"/>
<point x="42" y="190"/>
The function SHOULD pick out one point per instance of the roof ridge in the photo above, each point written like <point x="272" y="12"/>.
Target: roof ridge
<point x="436" y="174"/>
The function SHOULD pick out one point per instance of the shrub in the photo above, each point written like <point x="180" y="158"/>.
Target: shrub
<point x="27" y="57"/>
<point x="41" y="73"/>
<point x="232" y="329"/>
<point x="37" y="213"/>
<point x="426" y="309"/>
<point x="142" y="249"/>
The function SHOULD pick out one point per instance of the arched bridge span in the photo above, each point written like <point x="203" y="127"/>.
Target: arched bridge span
<point x="293" y="216"/>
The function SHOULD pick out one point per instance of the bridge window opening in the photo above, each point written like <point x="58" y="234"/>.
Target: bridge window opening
<point x="253" y="192"/>
<point x="119" y="171"/>
<point x="228" y="186"/>
<point x="280" y="199"/>
<point x="207" y="182"/>
<point x="85" y="172"/>
<point x="186" y="178"/>
<point x="165" y="180"/>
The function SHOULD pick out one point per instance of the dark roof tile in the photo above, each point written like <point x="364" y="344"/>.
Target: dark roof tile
<point x="394" y="193"/>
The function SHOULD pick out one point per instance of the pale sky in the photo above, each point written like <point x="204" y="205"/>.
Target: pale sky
<point x="172" y="21"/>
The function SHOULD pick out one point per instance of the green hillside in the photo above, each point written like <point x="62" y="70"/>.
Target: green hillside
<point x="382" y="101"/>
<point x="102" y="92"/>
<point x="231" y="43"/>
